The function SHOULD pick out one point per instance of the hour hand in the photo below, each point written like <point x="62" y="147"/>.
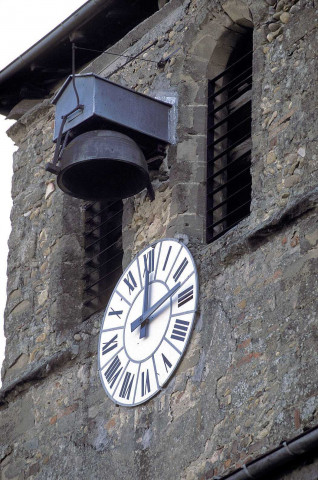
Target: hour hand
<point x="135" y="324"/>
<point x="150" y="313"/>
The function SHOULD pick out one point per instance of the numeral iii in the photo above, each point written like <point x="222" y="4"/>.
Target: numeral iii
<point x="180" y="329"/>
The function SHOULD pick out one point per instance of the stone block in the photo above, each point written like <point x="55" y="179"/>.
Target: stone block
<point x="189" y="224"/>
<point x="203" y="47"/>
<point x="199" y="119"/>
<point x="21" y="308"/>
<point x="239" y="12"/>
<point x="21" y="108"/>
<point x="197" y="70"/>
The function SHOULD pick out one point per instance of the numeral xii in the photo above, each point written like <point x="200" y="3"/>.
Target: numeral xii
<point x="149" y="261"/>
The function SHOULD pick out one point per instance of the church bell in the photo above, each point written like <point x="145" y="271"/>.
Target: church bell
<point x="105" y="134"/>
<point x="102" y="164"/>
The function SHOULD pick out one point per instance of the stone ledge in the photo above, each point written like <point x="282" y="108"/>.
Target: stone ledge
<point x="301" y="205"/>
<point x="41" y="108"/>
<point x="237" y="243"/>
<point x="38" y="372"/>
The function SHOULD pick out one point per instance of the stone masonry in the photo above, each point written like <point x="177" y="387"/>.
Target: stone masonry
<point x="249" y="377"/>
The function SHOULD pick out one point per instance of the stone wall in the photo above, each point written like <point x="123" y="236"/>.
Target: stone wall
<point x="249" y="377"/>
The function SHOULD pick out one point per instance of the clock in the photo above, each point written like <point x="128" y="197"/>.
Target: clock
<point x="148" y="322"/>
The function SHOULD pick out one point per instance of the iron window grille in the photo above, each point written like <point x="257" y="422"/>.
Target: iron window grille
<point x="229" y="143"/>
<point x="103" y="251"/>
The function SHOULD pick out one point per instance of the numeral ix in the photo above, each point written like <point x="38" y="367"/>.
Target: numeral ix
<point x="115" y="312"/>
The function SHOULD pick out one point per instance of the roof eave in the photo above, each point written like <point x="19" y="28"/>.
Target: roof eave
<point x="58" y="34"/>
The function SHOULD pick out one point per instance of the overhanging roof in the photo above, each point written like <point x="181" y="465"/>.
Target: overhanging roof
<point x="96" y="25"/>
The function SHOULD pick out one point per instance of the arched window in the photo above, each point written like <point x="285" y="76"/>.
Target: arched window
<point x="229" y="142"/>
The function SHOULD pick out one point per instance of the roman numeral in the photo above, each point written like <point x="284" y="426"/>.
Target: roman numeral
<point x="109" y="346"/>
<point x="145" y="383"/>
<point x="180" y="269"/>
<point x="127" y="385"/>
<point x="166" y="362"/>
<point x="115" y="312"/>
<point x="113" y="371"/>
<point x="185" y="296"/>
<point x="180" y="329"/>
<point x="149" y="261"/>
<point x="167" y="258"/>
<point x="130" y="282"/>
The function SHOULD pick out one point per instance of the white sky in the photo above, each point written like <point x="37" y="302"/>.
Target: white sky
<point x="22" y="23"/>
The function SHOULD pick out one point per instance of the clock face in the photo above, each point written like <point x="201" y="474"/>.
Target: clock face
<point x="148" y="322"/>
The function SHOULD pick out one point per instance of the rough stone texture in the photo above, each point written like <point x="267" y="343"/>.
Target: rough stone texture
<point x="249" y="377"/>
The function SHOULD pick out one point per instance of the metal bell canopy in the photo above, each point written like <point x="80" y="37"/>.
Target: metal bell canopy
<point x="104" y="134"/>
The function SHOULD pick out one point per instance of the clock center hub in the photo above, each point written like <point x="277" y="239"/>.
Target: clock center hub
<point x="139" y="349"/>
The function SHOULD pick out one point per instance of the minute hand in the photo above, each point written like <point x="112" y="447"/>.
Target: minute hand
<point x="147" y="315"/>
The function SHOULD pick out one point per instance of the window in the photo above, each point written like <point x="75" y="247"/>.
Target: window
<point x="229" y="142"/>
<point x="103" y="250"/>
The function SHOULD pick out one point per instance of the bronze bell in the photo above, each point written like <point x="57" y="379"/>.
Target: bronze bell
<point x="103" y="164"/>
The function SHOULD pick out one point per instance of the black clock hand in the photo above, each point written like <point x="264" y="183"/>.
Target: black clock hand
<point x="149" y="314"/>
<point x="144" y="327"/>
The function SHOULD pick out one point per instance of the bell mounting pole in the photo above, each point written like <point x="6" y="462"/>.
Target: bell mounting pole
<point x="73" y="75"/>
<point x="52" y="166"/>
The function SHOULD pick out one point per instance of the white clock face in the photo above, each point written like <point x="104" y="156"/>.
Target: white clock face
<point x="148" y="322"/>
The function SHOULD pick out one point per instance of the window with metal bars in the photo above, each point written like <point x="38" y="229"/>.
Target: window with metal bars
<point x="229" y="142"/>
<point x="103" y="252"/>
